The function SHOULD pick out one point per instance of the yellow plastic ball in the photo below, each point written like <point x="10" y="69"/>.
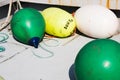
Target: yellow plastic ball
<point x="59" y="22"/>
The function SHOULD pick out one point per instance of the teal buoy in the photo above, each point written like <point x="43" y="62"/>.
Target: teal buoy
<point x="28" y="26"/>
<point x="98" y="60"/>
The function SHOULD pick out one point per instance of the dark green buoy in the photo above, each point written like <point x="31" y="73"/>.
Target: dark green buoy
<point x="28" y="26"/>
<point x="98" y="60"/>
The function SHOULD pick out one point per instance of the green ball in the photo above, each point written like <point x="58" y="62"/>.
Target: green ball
<point x="98" y="60"/>
<point x="28" y="26"/>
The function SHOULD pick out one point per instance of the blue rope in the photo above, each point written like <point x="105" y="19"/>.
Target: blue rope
<point x="51" y="54"/>
<point x="3" y="38"/>
<point x="51" y="45"/>
<point x="2" y="48"/>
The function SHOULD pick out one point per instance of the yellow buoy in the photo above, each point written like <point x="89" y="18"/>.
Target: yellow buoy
<point x="59" y="22"/>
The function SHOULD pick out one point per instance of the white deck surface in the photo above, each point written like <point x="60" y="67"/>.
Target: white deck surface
<point x="27" y="66"/>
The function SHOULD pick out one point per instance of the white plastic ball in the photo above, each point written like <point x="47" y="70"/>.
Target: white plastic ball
<point x="96" y="21"/>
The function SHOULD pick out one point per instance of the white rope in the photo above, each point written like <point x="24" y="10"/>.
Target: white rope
<point x="7" y="21"/>
<point x="18" y="1"/>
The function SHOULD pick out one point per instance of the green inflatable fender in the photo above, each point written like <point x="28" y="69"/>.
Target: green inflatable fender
<point x="28" y="26"/>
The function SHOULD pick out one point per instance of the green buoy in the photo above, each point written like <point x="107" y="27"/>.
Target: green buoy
<point x="28" y="26"/>
<point x="98" y="60"/>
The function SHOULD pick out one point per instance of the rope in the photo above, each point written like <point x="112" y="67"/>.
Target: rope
<point x="3" y="38"/>
<point x="7" y="21"/>
<point x="45" y="48"/>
